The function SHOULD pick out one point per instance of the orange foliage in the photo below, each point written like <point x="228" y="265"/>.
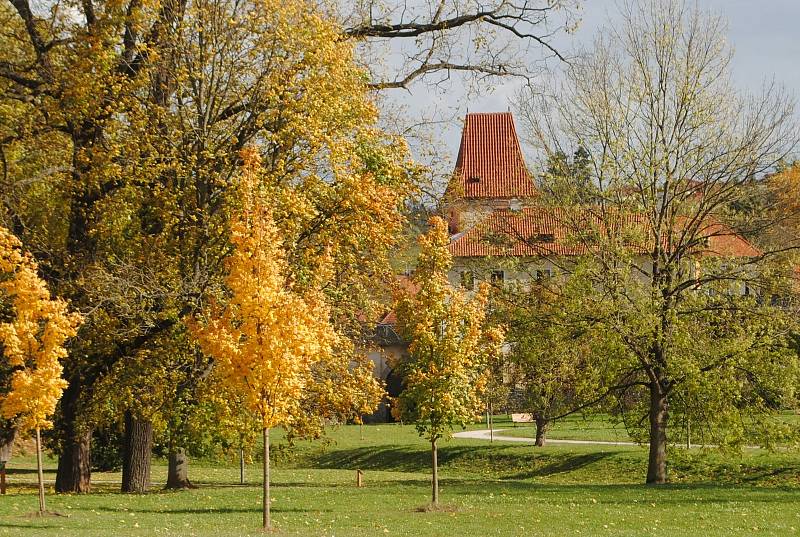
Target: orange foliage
<point x="33" y="341"/>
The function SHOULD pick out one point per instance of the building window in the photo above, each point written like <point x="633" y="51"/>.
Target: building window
<point x="468" y="280"/>
<point x="543" y="274"/>
<point x="498" y="277"/>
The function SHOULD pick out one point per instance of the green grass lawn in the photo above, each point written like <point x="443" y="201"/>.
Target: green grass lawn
<point x="574" y="427"/>
<point x="493" y="489"/>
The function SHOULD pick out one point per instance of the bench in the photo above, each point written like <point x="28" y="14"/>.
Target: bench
<point x="521" y="418"/>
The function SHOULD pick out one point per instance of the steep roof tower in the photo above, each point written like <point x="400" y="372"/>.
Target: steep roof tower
<point x="490" y="163"/>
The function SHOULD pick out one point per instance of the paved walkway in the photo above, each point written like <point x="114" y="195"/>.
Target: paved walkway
<point x="484" y="434"/>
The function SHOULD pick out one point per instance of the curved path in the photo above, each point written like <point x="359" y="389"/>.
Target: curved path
<point x="485" y="434"/>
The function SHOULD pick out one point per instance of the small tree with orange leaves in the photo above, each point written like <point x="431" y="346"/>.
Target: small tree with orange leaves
<point x="268" y="337"/>
<point x="449" y="346"/>
<point x="32" y="345"/>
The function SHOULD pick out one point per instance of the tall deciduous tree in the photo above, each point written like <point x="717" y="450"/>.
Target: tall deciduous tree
<point x="32" y="345"/>
<point x="550" y="348"/>
<point x="124" y="121"/>
<point x="271" y="332"/>
<point x="673" y="146"/>
<point x="445" y="372"/>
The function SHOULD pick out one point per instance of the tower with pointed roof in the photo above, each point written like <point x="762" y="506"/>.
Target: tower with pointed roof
<point x="490" y="171"/>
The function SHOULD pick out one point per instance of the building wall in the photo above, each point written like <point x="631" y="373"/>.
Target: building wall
<point x="382" y="360"/>
<point x="463" y="214"/>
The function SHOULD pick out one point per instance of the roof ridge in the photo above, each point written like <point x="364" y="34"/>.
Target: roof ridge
<point x="536" y="221"/>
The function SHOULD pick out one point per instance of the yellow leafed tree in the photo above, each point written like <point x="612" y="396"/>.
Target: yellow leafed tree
<point x="32" y="344"/>
<point x="268" y="336"/>
<point x="449" y="345"/>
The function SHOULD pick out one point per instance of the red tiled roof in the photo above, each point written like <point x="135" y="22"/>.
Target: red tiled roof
<point x="490" y="162"/>
<point x="390" y="319"/>
<point x="556" y="231"/>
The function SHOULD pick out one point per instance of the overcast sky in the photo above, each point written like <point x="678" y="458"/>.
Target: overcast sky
<point x="763" y="33"/>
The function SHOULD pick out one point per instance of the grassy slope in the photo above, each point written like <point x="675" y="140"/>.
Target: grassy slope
<point x="575" y="427"/>
<point x="498" y="489"/>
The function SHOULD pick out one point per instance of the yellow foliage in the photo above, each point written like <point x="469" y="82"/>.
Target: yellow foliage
<point x="33" y="341"/>
<point x="268" y="336"/>
<point x="450" y="346"/>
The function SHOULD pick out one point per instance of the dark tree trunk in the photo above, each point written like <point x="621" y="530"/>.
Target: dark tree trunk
<point x="541" y="430"/>
<point x="435" y="476"/>
<point x="74" y="472"/>
<point x="7" y="436"/>
<point x="178" y="470"/>
<point x="136" y="454"/>
<point x="657" y="461"/>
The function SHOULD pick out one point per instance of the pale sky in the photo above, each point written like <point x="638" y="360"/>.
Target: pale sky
<point x="764" y="35"/>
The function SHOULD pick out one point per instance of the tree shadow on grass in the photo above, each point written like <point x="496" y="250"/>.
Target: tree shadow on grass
<point x="29" y="471"/>
<point x="626" y="494"/>
<point x="563" y="464"/>
<point x="214" y="511"/>
<point x="400" y="459"/>
<point x="499" y="461"/>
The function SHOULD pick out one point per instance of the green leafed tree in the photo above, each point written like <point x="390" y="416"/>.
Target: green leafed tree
<point x="551" y="345"/>
<point x="568" y="178"/>
<point x="693" y="307"/>
<point x="445" y="372"/>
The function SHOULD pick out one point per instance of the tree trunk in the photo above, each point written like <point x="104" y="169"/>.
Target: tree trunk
<point x="265" y="497"/>
<point x="74" y="472"/>
<point x="435" y="477"/>
<point x="136" y="454"/>
<point x="241" y="466"/>
<point x="541" y="431"/>
<point x="178" y="470"/>
<point x="39" y="471"/>
<point x="657" y="461"/>
<point x="7" y="435"/>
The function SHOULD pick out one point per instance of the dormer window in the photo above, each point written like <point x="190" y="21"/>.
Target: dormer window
<point x="473" y="179"/>
<point x="544" y="237"/>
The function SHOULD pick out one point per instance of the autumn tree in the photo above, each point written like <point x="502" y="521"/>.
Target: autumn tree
<point x="271" y="333"/>
<point x="672" y="147"/>
<point x="775" y="202"/>
<point x="32" y="345"/>
<point x="449" y="346"/>
<point x="121" y="128"/>
<point x="132" y="146"/>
